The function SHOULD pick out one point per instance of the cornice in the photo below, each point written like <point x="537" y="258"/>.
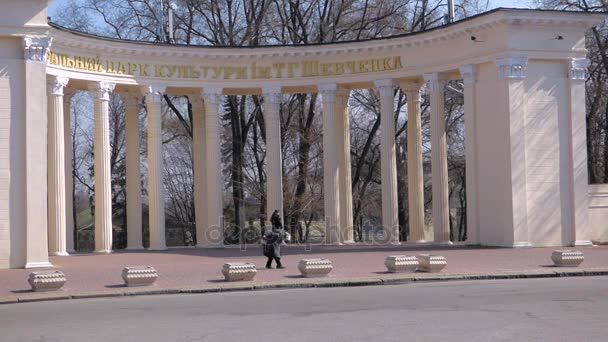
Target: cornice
<point x="98" y="45"/>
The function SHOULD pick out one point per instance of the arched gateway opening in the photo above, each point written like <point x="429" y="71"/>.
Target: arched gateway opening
<point x="524" y="109"/>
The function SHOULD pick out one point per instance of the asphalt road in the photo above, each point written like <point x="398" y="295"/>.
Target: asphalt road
<point x="568" y="309"/>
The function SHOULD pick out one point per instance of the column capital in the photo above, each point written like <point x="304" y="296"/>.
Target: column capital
<point x="212" y="95"/>
<point x="56" y="85"/>
<point x="35" y="49"/>
<point x="342" y="96"/>
<point x="468" y="72"/>
<point x="153" y="92"/>
<point x="412" y="89"/>
<point x="435" y="82"/>
<point x="512" y="67"/>
<point x="328" y="91"/>
<point x="577" y="69"/>
<point x="272" y="94"/>
<point x="101" y="90"/>
<point x="385" y="87"/>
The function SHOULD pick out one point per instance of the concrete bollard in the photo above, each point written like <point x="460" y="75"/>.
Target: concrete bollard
<point x="239" y="271"/>
<point x="431" y="263"/>
<point x="315" y="267"/>
<point x="399" y="263"/>
<point x="139" y="275"/>
<point x="567" y="258"/>
<point x="46" y="280"/>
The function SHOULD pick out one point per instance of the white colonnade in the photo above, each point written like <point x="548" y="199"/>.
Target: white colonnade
<point x="208" y="183"/>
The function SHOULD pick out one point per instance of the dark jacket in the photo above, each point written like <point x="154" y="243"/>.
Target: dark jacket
<point x="272" y="242"/>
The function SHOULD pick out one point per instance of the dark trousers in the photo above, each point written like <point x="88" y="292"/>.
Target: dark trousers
<point x="269" y="262"/>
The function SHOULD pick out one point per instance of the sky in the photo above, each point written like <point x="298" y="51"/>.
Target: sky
<point x="55" y="5"/>
<point x="511" y="4"/>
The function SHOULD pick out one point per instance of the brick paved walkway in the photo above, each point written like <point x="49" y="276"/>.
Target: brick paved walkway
<point x="191" y="268"/>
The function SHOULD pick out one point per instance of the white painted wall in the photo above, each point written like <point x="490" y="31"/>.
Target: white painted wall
<point x="12" y="154"/>
<point x="493" y="163"/>
<point x="545" y="99"/>
<point x="598" y="212"/>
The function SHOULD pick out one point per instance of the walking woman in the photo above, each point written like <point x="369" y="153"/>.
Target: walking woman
<point x="273" y="239"/>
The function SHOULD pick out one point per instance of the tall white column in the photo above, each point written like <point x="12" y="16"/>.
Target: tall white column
<point x="346" y="191"/>
<point x="214" y="225"/>
<point x="103" y="193"/>
<point x="439" y="158"/>
<point x="577" y="168"/>
<point x="198" y="167"/>
<point x="331" y="183"/>
<point x="274" y="169"/>
<point x="156" y="193"/>
<point x="133" y="170"/>
<point x="388" y="160"/>
<point x="69" y="177"/>
<point x="415" y="175"/>
<point x="511" y="86"/>
<point x="34" y="159"/>
<point x="469" y="77"/>
<point x="56" y="167"/>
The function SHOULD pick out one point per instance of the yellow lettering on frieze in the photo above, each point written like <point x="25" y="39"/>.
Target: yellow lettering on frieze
<point x="69" y="63"/>
<point x="397" y="63"/>
<point x="350" y="66"/>
<point x="158" y="71"/>
<point x="374" y="63"/>
<point x="362" y="66"/>
<point x="205" y="70"/>
<point x="310" y="69"/>
<point x="386" y="64"/>
<point x="253" y="70"/>
<point x="53" y="58"/>
<point x="217" y="72"/>
<point x="195" y="73"/>
<point x="274" y="70"/>
<point x="183" y="71"/>
<point x="228" y="72"/>
<point x="241" y="73"/>
<point x="110" y="67"/>
<point x="339" y="68"/>
<point x="123" y="68"/>
<point x="263" y="72"/>
<point x="326" y="69"/>
<point x="290" y="69"/>
<point x="132" y="68"/>
<point x="278" y="69"/>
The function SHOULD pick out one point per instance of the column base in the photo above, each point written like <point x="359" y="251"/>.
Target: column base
<point x="59" y="254"/>
<point x="443" y="243"/>
<point x="138" y="248"/>
<point x="395" y="243"/>
<point x="583" y="243"/>
<point x="417" y="241"/>
<point x="349" y="242"/>
<point x="521" y="245"/>
<point x="103" y="251"/>
<point x="44" y="264"/>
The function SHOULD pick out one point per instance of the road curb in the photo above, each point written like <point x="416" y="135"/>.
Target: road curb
<point x="393" y="279"/>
